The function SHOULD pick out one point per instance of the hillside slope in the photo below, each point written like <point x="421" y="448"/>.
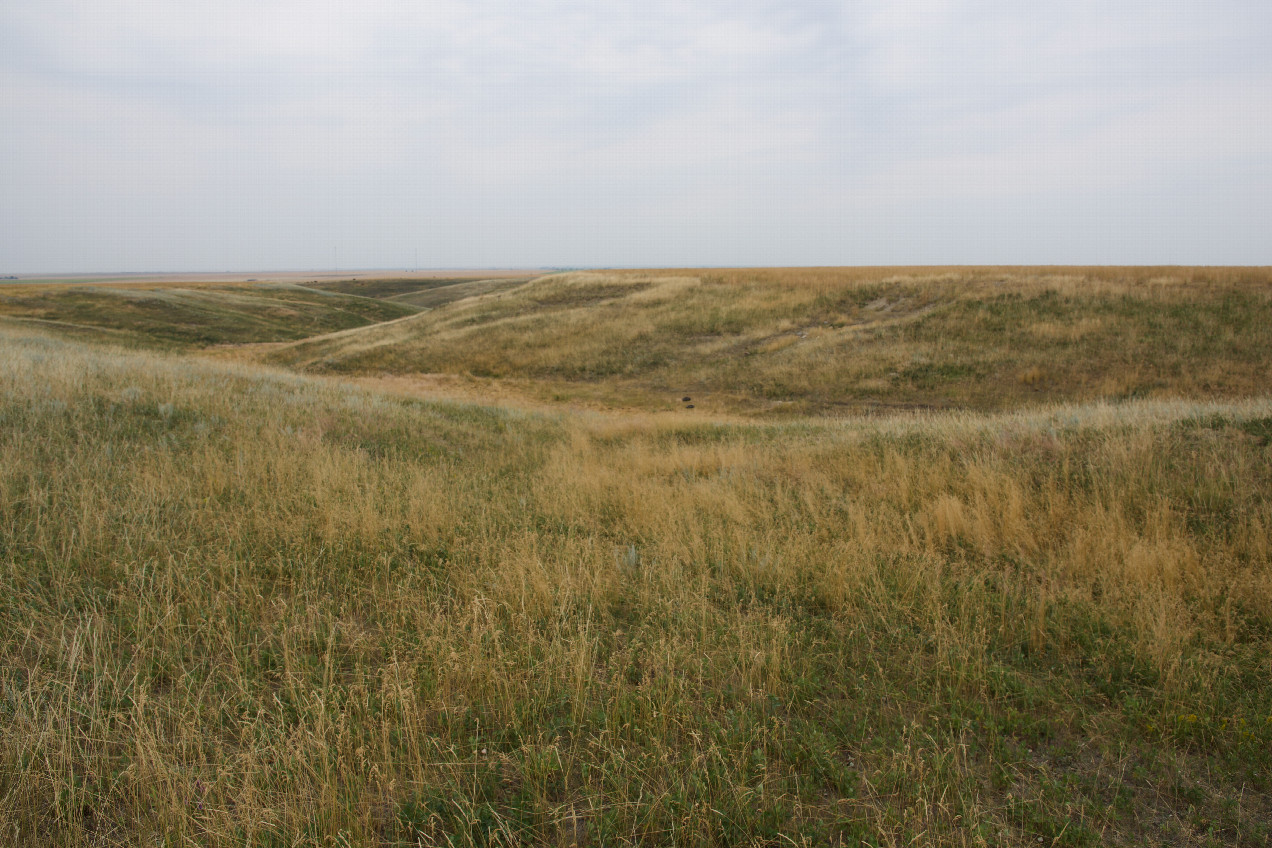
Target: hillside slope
<point x="821" y="340"/>
<point x="247" y="607"/>
<point x="431" y="290"/>
<point x="172" y="315"/>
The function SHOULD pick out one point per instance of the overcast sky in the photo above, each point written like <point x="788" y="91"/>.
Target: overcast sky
<point x="154" y="135"/>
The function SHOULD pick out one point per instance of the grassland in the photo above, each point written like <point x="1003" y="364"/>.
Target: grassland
<point x="176" y="317"/>
<point x="243" y="605"/>
<point x="826" y="341"/>
<point x="426" y="293"/>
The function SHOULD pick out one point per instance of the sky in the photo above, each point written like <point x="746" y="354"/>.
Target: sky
<point x="147" y="135"/>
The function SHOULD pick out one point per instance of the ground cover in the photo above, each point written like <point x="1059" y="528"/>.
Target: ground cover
<point x="834" y="341"/>
<point x="246" y="606"/>
<point x="436" y="296"/>
<point x="423" y="293"/>
<point x="176" y="316"/>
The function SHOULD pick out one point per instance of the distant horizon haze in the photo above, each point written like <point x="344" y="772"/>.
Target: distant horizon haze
<point x="306" y="274"/>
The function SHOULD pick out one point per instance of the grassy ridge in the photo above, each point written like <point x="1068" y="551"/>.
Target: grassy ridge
<point x="824" y="340"/>
<point x="433" y="290"/>
<point x="246" y="607"/>
<point x="151" y="315"/>
<point x="437" y="296"/>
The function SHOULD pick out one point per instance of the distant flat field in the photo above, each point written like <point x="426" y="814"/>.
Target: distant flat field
<point x="294" y="277"/>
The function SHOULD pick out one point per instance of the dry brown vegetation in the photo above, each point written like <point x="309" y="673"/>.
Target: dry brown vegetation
<point x="183" y="316"/>
<point x="243" y="606"/>
<point x="791" y="342"/>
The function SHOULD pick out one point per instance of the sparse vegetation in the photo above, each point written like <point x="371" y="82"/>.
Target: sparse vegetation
<point x="246" y="606"/>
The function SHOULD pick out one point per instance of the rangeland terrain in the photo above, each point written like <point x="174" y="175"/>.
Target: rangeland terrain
<point x="939" y="556"/>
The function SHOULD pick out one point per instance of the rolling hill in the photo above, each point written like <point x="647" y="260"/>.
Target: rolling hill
<point x="302" y="604"/>
<point x="817" y="341"/>
<point x="179" y="316"/>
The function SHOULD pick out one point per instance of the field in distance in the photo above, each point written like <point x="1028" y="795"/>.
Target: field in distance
<point x="208" y="310"/>
<point x="259" y="589"/>
<point x="818" y="341"/>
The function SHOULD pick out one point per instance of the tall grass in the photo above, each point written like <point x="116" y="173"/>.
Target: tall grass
<point x="244" y="607"/>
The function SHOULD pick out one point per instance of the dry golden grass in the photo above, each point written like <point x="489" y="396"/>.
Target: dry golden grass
<point x="246" y="607"/>
<point x="182" y="315"/>
<point x="834" y="341"/>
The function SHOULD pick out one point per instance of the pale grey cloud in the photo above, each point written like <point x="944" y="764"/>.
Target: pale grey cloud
<point x="152" y="135"/>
